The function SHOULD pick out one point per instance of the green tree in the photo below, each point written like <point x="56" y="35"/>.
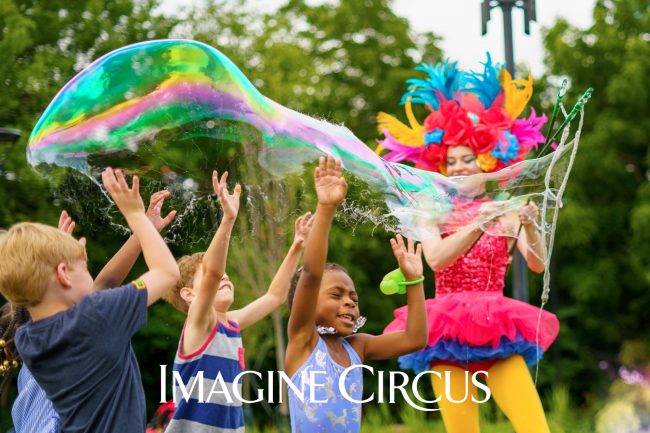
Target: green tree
<point x="602" y="248"/>
<point x="44" y="44"/>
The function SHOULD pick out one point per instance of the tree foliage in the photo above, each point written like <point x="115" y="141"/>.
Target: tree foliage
<point x="602" y="250"/>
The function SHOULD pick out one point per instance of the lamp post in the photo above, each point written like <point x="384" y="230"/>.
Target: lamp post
<point x="519" y="276"/>
<point x="9" y="135"/>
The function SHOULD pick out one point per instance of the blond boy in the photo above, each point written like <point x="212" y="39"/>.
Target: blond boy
<point x="78" y="342"/>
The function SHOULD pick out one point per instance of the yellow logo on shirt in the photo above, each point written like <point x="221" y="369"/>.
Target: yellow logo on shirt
<point x="139" y="284"/>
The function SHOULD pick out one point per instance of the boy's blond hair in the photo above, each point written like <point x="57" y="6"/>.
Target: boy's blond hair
<point x="30" y="253"/>
<point x="188" y="266"/>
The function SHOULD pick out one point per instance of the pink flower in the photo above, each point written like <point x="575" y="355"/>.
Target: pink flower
<point x="434" y="121"/>
<point x="458" y="131"/>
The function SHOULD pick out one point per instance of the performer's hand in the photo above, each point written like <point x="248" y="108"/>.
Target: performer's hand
<point x="490" y="213"/>
<point x="331" y="187"/>
<point x="528" y="213"/>
<point x="409" y="257"/>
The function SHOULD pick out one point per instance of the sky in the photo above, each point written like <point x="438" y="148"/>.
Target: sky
<point x="458" y="22"/>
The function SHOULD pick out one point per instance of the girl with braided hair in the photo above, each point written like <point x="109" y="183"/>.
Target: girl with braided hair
<point x="32" y="411"/>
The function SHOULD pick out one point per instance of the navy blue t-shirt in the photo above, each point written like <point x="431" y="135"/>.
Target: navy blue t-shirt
<point x="83" y="359"/>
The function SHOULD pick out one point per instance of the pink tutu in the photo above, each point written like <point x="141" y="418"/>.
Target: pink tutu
<point x="481" y="319"/>
<point x="467" y="327"/>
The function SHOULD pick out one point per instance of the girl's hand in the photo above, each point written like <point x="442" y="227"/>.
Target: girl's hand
<point x="229" y="202"/>
<point x="528" y="213"/>
<point x="155" y="208"/>
<point x="331" y="188"/>
<point x="302" y="227"/>
<point x="408" y="257"/>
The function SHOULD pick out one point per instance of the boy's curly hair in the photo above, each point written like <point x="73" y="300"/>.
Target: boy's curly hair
<point x="188" y="266"/>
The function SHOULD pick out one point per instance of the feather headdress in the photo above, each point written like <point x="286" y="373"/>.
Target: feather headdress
<point x="474" y="109"/>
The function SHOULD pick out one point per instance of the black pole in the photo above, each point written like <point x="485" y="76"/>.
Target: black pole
<point x="519" y="267"/>
<point x="506" y="7"/>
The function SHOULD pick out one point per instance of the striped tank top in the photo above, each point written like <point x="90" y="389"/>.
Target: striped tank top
<point x="208" y="409"/>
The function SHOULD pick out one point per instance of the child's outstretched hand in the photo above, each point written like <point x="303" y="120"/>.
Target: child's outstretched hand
<point x="330" y="185"/>
<point x="155" y="208"/>
<point x="67" y="224"/>
<point x="229" y="202"/>
<point x="408" y="257"/>
<point x="127" y="199"/>
<point x="302" y="227"/>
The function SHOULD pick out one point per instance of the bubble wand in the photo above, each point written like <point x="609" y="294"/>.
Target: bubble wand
<point x="549" y="139"/>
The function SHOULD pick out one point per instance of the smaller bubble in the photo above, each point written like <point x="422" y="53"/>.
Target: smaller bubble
<point x="189" y="184"/>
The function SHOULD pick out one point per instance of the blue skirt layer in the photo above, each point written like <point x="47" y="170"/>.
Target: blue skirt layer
<point x="453" y="351"/>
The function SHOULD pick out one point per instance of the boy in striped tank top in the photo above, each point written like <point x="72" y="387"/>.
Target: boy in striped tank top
<point x="210" y="353"/>
<point x="325" y="317"/>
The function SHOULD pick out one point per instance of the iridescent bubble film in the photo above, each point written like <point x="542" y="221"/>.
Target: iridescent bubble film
<point x="173" y="110"/>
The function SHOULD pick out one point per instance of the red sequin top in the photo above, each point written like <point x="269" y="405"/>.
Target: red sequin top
<point x="482" y="269"/>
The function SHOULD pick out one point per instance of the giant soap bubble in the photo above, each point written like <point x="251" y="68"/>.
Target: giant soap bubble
<point x="172" y="110"/>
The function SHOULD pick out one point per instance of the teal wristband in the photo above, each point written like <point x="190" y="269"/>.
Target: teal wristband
<point x="395" y="282"/>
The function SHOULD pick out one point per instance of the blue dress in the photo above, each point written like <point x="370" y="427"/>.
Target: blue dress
<point x="32" y="411"/>
<point x="325" y="408"/>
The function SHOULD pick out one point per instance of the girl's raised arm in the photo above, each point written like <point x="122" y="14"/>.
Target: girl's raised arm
<point x="330" y="189"/>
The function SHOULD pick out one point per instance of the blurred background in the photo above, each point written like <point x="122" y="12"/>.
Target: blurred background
<point x="344" y="61"/>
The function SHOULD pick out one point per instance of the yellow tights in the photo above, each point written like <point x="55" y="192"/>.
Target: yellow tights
<point x="511" y="387"/>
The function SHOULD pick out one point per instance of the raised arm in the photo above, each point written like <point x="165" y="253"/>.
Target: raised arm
<point x="116" y="270"/>
<point x="414" y="337"/>
<point x="279" y="288"/>
<point x="213" y="266"/>
<point x="441" y="252"/>
<point x="330" y="189"/>
<point x="163" y="270"/>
